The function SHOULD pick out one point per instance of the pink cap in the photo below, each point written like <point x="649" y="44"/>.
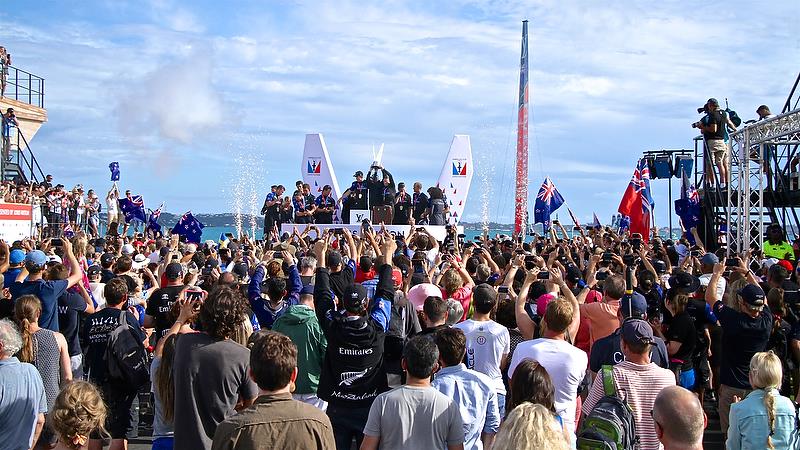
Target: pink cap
<point x="542" y="301"/>
<point x="418" y="294"/>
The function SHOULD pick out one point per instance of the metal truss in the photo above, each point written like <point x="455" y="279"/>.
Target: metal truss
<point x="745" y="211"/>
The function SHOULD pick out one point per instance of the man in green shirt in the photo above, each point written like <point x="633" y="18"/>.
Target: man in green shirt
<point x="300" y="323"/>
<point x="776" y="245"/>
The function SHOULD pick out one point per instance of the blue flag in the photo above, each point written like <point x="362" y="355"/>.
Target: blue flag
<point x="688" y="207"/>
<point x="114" y="167"/>
<point x="189" y="227"/>
<point x="547" y="201"/>
<point x="133" y="208"/>
<point x="624" y="223"/>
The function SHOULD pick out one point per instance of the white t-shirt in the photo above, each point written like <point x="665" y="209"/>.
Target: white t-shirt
<point x="721" y="284"/>
<point x="111" y="206"/>
<point x="566" y="365"/>
<point x="487" y="342"/>
<point x="99" y="296"/>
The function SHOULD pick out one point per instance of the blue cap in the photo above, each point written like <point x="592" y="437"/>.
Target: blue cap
<point x="307" y="290"/>
<point x="16" y="256"/>
<point x="36" y="257"/>
<point x="633" y="305"/>
<point x="752" y="295"/>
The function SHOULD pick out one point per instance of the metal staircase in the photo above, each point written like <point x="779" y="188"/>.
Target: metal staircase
<point x="22" y="164"/>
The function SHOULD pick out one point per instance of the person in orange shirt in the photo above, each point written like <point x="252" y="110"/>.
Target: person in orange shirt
<point x="602" y="315"/>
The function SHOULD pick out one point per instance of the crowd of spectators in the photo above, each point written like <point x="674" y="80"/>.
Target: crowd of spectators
<point x="319" y="339"/>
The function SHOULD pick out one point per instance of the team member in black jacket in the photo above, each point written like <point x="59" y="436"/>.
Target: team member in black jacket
<point x="352" y="372"/>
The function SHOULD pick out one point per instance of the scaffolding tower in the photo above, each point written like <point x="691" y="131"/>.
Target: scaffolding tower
<point x="767" y="148"/>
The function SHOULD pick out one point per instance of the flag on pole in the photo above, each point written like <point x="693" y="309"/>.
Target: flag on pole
<point x="637" y="203"/>
<point x="132" y="208"/>
<point x="547" y="201"/>
<point x="152" y="221"/>
<point x="521" y="185"/>
<point x="189" y="227"/>
<point x="688" y="207"/>
<point x="114" y="167"/>
<point x="596" y="222"/>
<point x="574" y="219"/>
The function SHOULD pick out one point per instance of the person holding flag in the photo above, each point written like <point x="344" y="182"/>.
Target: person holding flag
<point x="132" y="207"/>
<point x="637" y="203"/>
<point x="152" y="221"/>
<point x="189" y="227"/>
<point x="547" y="200"/>
<point x="688" y="208"/>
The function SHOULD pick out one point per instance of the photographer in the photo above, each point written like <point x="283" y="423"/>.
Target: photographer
<point x="713" y="126"/>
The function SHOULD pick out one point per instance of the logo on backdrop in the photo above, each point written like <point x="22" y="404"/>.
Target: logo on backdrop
<point x="460" y="167"/>
<point x="313" y="166"/>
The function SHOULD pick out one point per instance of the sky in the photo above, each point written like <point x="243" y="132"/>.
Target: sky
<point x="205" y="104"/>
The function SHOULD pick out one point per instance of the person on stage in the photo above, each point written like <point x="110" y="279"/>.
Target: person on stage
<point x="271" y="208"/>
<point x="402" y="206"/>
<point x="324" y="206"/>
<point x="419" y="203"/>
<point x="355" y="197"/>
<point x="301" y="213"/>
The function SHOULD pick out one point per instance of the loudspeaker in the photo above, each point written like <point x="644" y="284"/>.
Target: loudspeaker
<point x="684" y="163"/>
<point x="661" y="167"/>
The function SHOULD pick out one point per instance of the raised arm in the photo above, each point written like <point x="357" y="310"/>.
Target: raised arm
<point x="526" y="325"/>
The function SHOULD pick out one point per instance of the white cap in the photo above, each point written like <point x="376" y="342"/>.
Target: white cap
<point x="127" y="249"/>
<point x="54" y="258"/>
<point x="139" y="261"/>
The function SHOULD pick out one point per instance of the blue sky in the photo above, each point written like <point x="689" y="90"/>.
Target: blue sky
<point x="199" y="100"/>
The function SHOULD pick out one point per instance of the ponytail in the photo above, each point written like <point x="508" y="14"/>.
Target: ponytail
<point x="27" y="310"/>
<point x="769" y="404"/>
<point x="26" y="352"/>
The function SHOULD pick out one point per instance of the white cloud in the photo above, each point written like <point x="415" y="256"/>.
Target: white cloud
<point x="178" y="99"/>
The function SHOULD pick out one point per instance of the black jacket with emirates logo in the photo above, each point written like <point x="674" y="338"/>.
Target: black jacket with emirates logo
<point x="352" y="371"/>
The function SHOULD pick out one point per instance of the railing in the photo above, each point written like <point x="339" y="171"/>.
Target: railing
<point x="20" y="153"/>
<point x="23" y="86"/>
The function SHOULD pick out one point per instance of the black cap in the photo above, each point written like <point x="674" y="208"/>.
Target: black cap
<point x="173" y="271"/>
<point x="107" y="259"/>
<point x="307" y="290"/>
<point x="684" y="282"/>
<point x="401" y="185"/>
<point x="240" y="269"/>
<point x="483" y="294"/>
<point x="93" y="270"/>
<point x="354" y="299"/>
<point x="573" y="274"/>
<point x="358" y="174"/>
<point x="753" y="296"/>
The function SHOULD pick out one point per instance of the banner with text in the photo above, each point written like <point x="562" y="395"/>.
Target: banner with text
<point x="15" y="221"/>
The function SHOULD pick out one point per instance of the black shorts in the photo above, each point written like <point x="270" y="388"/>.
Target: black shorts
<point x="119" y="420"/>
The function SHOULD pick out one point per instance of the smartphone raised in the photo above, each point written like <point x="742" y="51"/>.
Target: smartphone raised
<point x="543" y="275"/>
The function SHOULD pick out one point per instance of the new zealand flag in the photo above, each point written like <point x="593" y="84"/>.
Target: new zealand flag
<point x="547" y="201"/>
<point x="133" y="208"/>
<point x="688" y="207"/>
<point x="190" y="227"/>
<point x="152" y="221"/>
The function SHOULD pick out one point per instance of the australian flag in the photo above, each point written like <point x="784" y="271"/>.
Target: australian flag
<point x="189" y="227"/>
<point x="547" y="201"/>
<point x="152" y="221"/>
<point x="114" y="168"/>
<point x="688" y="207"/>
<point x="133" y="208"/>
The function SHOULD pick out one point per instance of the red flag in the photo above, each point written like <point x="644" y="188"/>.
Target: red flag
<point x="636" y="201"/>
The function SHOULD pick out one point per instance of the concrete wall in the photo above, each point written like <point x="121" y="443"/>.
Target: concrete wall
<point x="30" y="117"/>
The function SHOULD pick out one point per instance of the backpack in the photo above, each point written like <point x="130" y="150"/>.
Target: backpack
<point x="778" y="343"/>
<point x="610" y="425"/>
<point x="125" y="357"/>
<point x="733" y="116"/>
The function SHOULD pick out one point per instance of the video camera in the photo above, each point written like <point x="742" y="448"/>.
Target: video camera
<point x="701" y="110"/>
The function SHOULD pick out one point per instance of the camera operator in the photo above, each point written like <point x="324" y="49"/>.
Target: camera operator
<point x="713" y="126"/>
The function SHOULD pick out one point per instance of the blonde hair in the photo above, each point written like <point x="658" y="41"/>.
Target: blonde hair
<point x="78" y="411"/>
<point x="530" y="426"/>
<point x="27" y="310"/>
<point x="766" y="373"/>
<point x="79" y="246"/>
<point x="730" y="293"/>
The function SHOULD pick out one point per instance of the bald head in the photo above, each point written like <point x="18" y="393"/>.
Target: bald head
<point x="680" y="417"/>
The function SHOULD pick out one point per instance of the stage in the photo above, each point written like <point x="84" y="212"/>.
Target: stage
<point x="437" y="231"/>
